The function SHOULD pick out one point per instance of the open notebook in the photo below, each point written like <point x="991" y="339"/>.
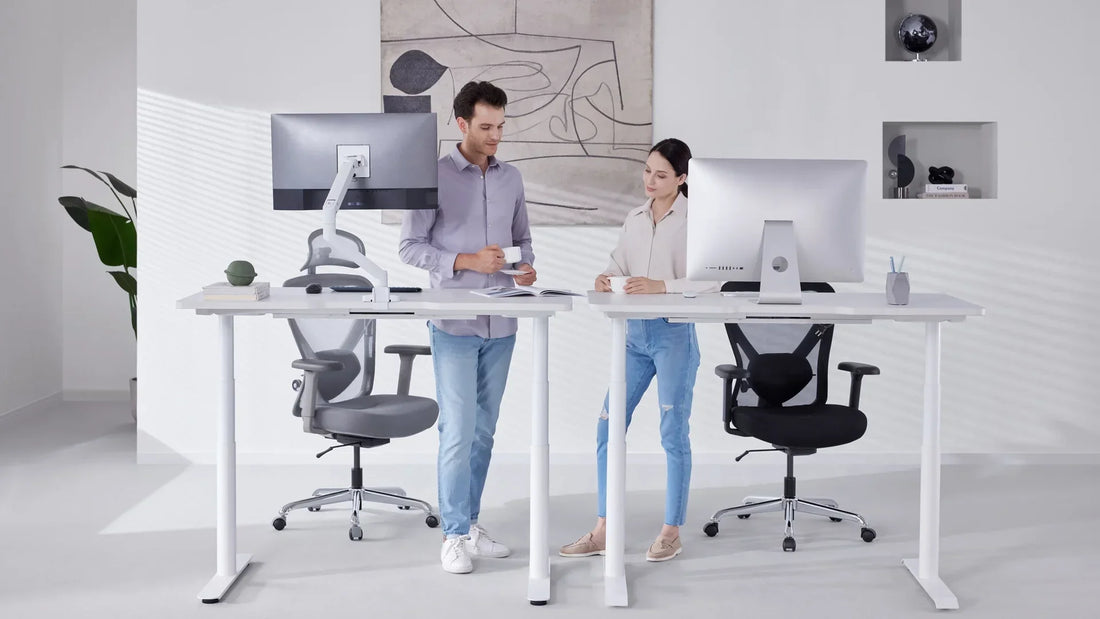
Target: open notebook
<point x="522" y="291"/>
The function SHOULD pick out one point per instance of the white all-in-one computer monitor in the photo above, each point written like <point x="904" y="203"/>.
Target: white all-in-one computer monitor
<point x="777" y="221"/>
<point x="359" y="161"/>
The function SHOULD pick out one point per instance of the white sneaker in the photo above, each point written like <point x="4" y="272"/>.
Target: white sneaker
<point x="479" y="544"/>
<point x="454" y="556"/>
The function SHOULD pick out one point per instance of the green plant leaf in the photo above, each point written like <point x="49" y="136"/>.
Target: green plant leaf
<point x="120" y="186"/>
<point x="78" y="208"/>
<point x="92" y="172"/>
<point x="125" y="281"/>
<point x="115" y="238"/>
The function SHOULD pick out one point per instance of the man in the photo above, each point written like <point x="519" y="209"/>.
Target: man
<point x="481" y="210"/>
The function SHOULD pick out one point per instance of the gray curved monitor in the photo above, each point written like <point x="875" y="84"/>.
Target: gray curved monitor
<point x="403" y="160"/>
<point x="812" y="209"/>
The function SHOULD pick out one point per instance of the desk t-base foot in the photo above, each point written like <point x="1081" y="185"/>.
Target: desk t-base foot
<point x="214" y="590"/>
<point x="933" y="586"/>
<point x="615" y="591"/>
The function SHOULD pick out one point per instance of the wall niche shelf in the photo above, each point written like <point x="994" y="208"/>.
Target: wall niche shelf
<point x="947" y="14"/>
<point x="970" y="148"/>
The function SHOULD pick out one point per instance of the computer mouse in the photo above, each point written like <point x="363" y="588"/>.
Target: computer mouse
<point x="689" y="294"/>
<point x="313" y="288"/>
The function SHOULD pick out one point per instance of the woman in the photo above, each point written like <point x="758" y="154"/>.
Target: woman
<point x="652" y="252"/>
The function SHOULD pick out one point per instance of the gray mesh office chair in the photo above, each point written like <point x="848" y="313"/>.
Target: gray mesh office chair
<point x="777" y="393"/>
<point x="335" y="396"/>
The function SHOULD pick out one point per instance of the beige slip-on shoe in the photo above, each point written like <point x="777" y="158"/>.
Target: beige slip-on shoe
<point x="662" y="550"/>
<point x="586" y="546"/>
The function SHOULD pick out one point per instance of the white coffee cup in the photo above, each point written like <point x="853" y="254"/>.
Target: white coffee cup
<point x="618" y="283"/>
<point x="512" y="255"/>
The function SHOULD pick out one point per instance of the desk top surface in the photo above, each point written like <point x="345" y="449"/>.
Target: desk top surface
<point x="854" y="306"/>
<point x="428" y="303"/>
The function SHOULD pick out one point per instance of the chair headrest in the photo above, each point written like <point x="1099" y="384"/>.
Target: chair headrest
<point x="317" y="257"/>
<point x="778" y="377"/>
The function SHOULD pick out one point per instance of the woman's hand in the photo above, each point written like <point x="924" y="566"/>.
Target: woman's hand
<point x="603" y="284"/>
<point x="644" y="285"/>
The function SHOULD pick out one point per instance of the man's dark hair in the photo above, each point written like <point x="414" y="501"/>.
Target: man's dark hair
<point x="478" y="92"/>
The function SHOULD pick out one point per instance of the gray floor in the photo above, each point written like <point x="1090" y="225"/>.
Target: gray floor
<point x="86" y="532"/>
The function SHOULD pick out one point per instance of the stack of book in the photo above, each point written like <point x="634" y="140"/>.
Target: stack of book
<point x="223" y="291"/>
<point x="956" y="191"/>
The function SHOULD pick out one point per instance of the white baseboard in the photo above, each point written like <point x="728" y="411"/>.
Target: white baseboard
<point x="823" y="459"/>
<point x="95" y="395"/>
<point x="34" y="407"/>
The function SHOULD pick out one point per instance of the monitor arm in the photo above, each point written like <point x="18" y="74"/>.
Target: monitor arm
<point x="351" y="166"/>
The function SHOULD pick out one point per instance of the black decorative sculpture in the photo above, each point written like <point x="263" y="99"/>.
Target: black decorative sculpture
<point x="905" y="169"/>
<point x="917" y="33"/>
<point x="941" y="176"/>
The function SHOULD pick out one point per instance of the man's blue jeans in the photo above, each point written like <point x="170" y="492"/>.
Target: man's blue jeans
<point x="669" y="351"/>
<point x="470" y="374"/>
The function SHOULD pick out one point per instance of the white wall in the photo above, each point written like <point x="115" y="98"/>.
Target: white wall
<point x="99" y="81"/>
<point x="30" y="131"/>
<point x="740" y="78"/>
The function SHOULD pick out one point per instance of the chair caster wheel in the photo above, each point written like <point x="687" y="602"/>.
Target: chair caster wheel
<point x="355" y="533"/>
<point x="868" y="534"/>
<point x="431" y="521"/>
<point x="279" y="523"/>
<point x="788" y="544"/>
<point x="404" y="507"/>
<point x="313" y="509"/>
<point x="743" y="516"/>
<point x="711" y="529"/>
<point x="836" y="519"/>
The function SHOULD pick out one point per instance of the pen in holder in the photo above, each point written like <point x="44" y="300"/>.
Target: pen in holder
<point x="897" y="288"/>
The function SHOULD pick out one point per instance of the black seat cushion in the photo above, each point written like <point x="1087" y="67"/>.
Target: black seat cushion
<point x="807" y="426"/>
<point x="377" y="416"/>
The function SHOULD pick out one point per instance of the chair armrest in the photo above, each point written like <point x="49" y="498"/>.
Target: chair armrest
<point x="728" y="371"/>
<point x="316" y="365"/>
<point x="408" y="354"/>
<point x="858" y="371"/>
<point x="861" y="369"/>
<point x="407" y="349"/>
<point x="307" y="400"/>
<point x="729" y="374"/>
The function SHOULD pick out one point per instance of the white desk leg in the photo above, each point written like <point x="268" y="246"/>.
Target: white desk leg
<point x="538" y="582"/>
<point x="230" y="564"/>
<point x="615" y="593"/>
<point x="926" y="567"/>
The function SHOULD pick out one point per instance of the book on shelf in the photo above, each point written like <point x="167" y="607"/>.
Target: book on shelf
<point x="952" y="188"/>
<point x="944" y="195"/>
<point x="497" y="292"/>
<point x="223" y="291"/>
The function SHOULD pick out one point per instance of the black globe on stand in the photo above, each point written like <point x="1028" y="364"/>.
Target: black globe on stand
<point x="917" y="34"/>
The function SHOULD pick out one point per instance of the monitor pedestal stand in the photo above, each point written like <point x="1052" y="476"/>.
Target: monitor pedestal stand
<point x="779" y="281"/>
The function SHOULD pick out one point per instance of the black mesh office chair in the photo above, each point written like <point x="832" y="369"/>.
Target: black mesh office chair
<point x="335" y="396"/>
<point x="777" y="393"/>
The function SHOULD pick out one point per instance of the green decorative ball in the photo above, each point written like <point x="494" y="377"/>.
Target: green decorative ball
<point x="240" y="272"/>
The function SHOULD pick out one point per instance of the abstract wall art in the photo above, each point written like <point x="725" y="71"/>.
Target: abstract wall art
<point x="579" y="79"/>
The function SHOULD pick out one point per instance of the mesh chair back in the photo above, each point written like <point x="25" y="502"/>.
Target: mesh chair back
<point x="351" y="342"/>
<point x="792" y="360"/>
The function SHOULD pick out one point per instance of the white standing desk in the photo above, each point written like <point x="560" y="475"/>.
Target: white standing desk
<point x="455" y="304"/>
<point x="931" y="309"/>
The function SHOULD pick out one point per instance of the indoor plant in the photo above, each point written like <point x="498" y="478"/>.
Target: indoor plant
<point x="115" y="239"/>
